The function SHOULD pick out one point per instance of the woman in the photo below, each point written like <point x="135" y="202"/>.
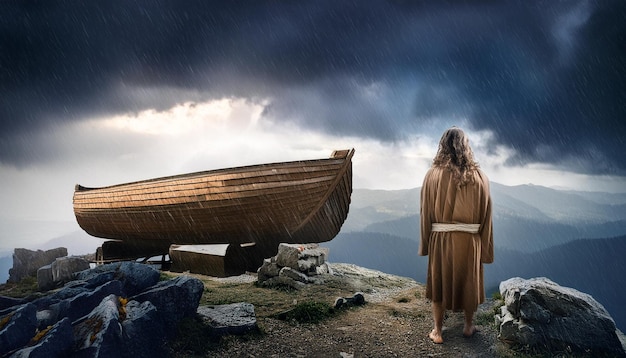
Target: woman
<point x="456" y="231"/>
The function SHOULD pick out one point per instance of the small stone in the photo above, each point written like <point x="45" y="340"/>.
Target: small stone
<point x="358" y="299"/>
<point x="339" y="302"/>
<point x="322" y="269"/>
<point x="293" y="274"/>
<point x="236" y="318"/>
<point x="288" y="255"/>
<point x="268" y="270"/>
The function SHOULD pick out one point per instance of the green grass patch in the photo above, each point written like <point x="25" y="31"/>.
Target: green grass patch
<point x="165" y="277"/>
<point x="488" y="317"/>
<point x="404" y="300"/>
<point x="485" y="318"/>
<point x="26" y="287"/>
<point x="418" y="294"/>
<point x="193" y="338"/>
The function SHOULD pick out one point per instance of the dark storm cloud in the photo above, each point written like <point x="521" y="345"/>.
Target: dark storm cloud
<point x="548" y="78"/>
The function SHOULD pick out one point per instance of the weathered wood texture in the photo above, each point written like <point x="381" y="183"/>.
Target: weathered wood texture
<point x="226" y="260"/>
<point x="294" y="202"/>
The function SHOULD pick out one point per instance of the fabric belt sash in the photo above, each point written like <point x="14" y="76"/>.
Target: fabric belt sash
<point x="470" y="228"/>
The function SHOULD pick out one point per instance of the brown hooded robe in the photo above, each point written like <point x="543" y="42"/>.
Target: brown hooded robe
<point x="455" y="259"/>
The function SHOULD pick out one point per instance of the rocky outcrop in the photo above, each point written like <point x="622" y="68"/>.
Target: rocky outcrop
<point x="295" y="265"/>
<point x="141" y="324"/>
<point x="99" y="334"/>
<point x="17" y="327"/>
<point x="174" y="299"/>
<point x="60" y="271"/>
<point x="56" y="342"/>
<point x="27" y="262"/>
<point x="134" y="277"/>
<point x="114" y="310"/>
<point x="538" y="313"/>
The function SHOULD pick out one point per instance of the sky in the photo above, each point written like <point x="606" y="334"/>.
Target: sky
<point x="106" y="92"/>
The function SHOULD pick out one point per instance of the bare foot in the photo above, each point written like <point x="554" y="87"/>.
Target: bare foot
<point x="435" y="337"/>
<point x="469" y="332"/>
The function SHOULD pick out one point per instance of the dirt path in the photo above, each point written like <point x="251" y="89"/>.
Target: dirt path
<point x="385" y="329"/>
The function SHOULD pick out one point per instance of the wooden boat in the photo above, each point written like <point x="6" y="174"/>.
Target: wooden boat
<point x="293" y="202"/>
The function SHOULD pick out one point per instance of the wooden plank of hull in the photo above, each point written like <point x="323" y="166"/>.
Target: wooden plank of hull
<point x="173" y="197"/>
<point x="205" y="187"/>
<point x="284" y="202"/>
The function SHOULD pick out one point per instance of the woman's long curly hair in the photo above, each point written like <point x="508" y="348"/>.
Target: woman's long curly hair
<point x="455" y="154"/>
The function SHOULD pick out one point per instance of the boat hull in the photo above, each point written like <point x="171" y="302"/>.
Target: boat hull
<point x="293" y="202"/>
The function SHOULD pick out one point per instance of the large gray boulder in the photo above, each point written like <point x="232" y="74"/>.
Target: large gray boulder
<point x="60" y="271"/>
<point x="27" y="262"/>
<point x="541" y="314"/>
<point x="235" y="318"/>
<point x="63" y="268"/>
<point x="143" y="331"/>
<point x="174" y="299"/>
